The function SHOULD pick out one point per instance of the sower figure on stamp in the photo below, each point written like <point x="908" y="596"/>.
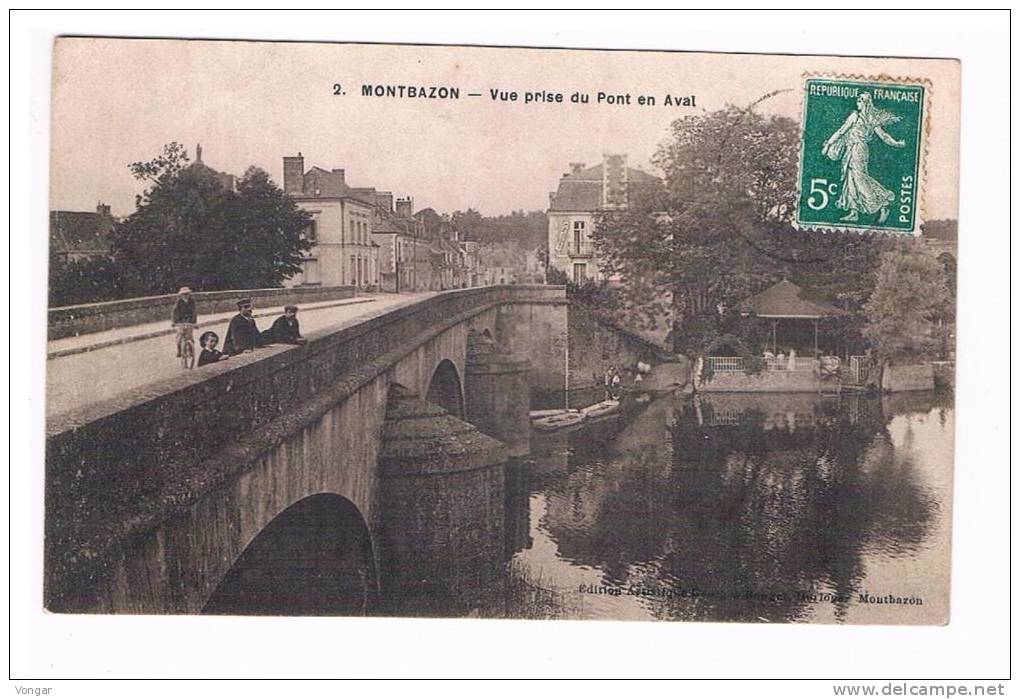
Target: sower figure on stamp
<point x="242" y="333"/>
<point x="861" y="192"/>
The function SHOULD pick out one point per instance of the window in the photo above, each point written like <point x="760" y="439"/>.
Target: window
<point x="578" y="236"/>
<point x="580" y="272"/>
<point x="312" y="232"/>
<point x="311" y="272"/>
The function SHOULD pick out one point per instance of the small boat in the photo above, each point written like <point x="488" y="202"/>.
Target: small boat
<point x="555" y="422"/>
<point x="599" y="409"/>
<point x="536" y="414"/>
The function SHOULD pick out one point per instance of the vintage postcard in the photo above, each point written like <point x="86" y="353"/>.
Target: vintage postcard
<point x="450" y="331"/>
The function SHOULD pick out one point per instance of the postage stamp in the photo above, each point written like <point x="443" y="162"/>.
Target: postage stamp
<point x="862" y="155"/>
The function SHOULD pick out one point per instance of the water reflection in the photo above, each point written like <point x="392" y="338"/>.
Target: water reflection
<point x="744" y="508"/>
<point x="731" y="508"/>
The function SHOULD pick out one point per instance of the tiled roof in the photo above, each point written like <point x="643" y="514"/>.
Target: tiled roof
<point x="376" y="198"/>
<point x="226" y="180"/>
<point x="787" y="300"/>
<point x="79" y="231"/>
<point x="582" y="190"/>
<point x="326" y="184"/>
<point x="577" y="195"/>
<point x="323" y="183"/>
<point x="386" y="225"/>
<point x="394" y="224"/>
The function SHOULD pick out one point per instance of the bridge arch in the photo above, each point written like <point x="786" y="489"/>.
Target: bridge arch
<point x="446" y="389"/>
<point x="315" y="558"/>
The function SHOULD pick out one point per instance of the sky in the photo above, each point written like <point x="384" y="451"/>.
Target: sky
<point x="116" y="101"/>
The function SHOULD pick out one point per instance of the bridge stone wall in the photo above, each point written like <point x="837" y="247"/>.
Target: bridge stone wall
<point x="597" y="341"/>
<point x="71" y="321"/>
<point x="169" y="468"/>
<point x="173" y="566"/>
<point x="538" y="331"/>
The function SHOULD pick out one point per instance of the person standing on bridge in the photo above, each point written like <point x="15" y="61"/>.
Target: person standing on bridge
<point x="184" y="317"/>
<point x="242" y="333"/>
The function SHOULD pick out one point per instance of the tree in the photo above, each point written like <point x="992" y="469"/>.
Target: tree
<point x="910" y="294"/>
<point x="272" y="227"/>
<point x="161" y="169"/>
<point x="525" y="229"/>
<point x="717" y="229"/>
<point x="85" y="280"/>
<point x="188" y="229"/>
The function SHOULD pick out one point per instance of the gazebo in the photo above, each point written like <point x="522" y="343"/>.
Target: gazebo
<point x="786" y="301"/>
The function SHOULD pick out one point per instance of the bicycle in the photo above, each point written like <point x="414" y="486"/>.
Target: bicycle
<point x="186" y="344"/>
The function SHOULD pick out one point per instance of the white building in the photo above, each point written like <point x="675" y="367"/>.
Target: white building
<point x="343" y="252"/>
<point x="581" y="194"/>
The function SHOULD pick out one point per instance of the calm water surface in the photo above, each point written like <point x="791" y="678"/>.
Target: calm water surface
<point x="736" y="508"/>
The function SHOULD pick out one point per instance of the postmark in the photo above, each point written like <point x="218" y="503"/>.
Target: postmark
<point x="863" y="142"/>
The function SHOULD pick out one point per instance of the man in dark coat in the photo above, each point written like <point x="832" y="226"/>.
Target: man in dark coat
<point x="285" y="328"/>
<point x="242" y="333"/>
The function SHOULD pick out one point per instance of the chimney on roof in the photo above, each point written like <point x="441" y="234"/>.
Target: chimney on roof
<point x="198" y="153"/>
<point x="575" y="168"/>
<point x="405" y="207"/>
<point x="614" y="181"/>
<point x="294" y="174"/>
<point x="339" y="172"/>
<point x="103" y="209"/>
<point x="385" y="201"/>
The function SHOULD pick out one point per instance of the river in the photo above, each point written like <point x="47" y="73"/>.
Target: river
<point x="734" y="507"/>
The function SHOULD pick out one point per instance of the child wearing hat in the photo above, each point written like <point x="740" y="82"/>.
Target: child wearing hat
<point x="210" y="354"/>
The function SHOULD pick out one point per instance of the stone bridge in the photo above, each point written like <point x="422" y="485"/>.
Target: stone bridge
<point x="317" y="479"/>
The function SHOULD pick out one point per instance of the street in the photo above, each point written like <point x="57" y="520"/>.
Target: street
<point x="78" y="379"/>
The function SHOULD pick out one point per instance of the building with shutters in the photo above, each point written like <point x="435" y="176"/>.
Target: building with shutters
<point x="581" y="194"/>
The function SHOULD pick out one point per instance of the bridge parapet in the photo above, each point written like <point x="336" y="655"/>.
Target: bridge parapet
<point x="123" y="465"/>
<point x="71" y="321"/>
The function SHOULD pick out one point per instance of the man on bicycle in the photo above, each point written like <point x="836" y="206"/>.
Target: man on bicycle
<point x="184" y="317"/>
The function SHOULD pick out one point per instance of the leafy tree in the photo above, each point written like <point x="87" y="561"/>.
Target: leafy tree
<point x="556" y="276"/>
<point x="272" y="228"/>
<point x="528" y="230"/>
<point x="84" y="281"/>
<point x="910" y="294"/>
<point x="163" y="168"/>
<point x="189" y="229"/>
<point x="718" y="229"/>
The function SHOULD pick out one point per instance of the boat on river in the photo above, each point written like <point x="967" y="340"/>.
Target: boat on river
<point x="549" y="420"/>
<point x="606" y="407"/>
<point x="536" y="414"/>
<point x="555" y="422"/>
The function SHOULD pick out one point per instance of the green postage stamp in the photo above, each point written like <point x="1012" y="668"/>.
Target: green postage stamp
<point x="862" y="155"/>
